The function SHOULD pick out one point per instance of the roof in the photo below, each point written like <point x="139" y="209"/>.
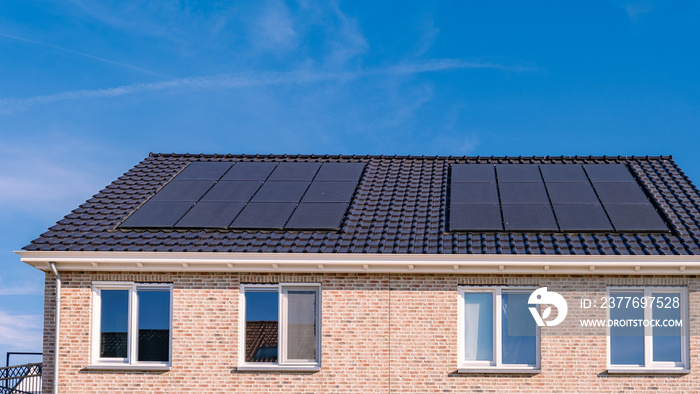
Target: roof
<point x="399" y="207"/>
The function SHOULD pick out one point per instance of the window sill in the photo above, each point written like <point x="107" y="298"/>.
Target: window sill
<point x="642" y="371"/>
<point x="278" y="368"/>
<point x="128" y="367"/>
<point x="499" y="370"/>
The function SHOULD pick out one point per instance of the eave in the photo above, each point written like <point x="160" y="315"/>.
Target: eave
<point x="362" y="263"/>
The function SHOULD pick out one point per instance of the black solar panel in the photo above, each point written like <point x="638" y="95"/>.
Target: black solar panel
<point x="572" y="193"/>
<point x="317" y="215"/>
<point x="523" y="193"/>
<point x="563" y="173"/>
<point x="340" y="172"/>
<point x="582" y="217"/>
<point x="158" y="214"/>
<point x="635" y="217"/>
<point x="183" y="190"/>
<point x="620" y="193"/>
<point x="518" y="173"/>
<point x="473" y="173"/>
<point x="528" y="218"/>
<point x="474" y="193"/>
<point x="240" y="191"/>
<point x="474" y="217"/>
<point x="206" y="214"/>
<point x="608" y="173"/>
<point x="294" y="172"/>
<point x="281" y="191"/>
<point x="264" y="215"/>
<point x="212" y="170"/>
<point x="330" y="192"/>
<point x="249" y="171"/>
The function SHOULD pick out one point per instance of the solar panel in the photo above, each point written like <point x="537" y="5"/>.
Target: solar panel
<point x="620" y="193"/>
<point x="340" y="172"/>
<point x="608" y="173"/>
<point x="157" y="214"/>
<point x="317" y="215"/>
<point x="518" y="173"/>
<point x="207" y="214"/>
<point x="473" y="173"/>
<point x="528" y="218"/>
<point x="330" y="192"/>
<point x="563" y="173"/>
<point x="249" y="171"/>
<point x="523" y="193"/>
<point x="474" y="193"/>
<point x="264" y="215"/>
<point x="635" y="217"/>
<point x="582" y="217"/>
<point x="232" y="191"/>
<point x="280" y="191"/>
<point x="183" y="190"/>
<point x="572" y="193"/>
<point x="204" y="170"/>
<point x="294" y="172"/>
<point x="475" y="217"/>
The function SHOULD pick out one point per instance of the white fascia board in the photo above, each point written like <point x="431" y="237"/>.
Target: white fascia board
<point x="362" y="263"/>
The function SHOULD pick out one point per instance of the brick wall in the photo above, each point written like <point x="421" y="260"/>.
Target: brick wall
<point x="374" y="340"/>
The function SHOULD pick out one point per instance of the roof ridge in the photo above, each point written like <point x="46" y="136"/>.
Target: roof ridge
<point x="431" y="157"/>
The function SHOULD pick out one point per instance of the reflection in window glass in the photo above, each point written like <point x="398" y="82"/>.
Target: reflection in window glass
<point x="261" y="321"/>
<point x="153" y="324"/>
<point x="627" y="343"/>
<point x="478" y="326"/>
<point x="667" y="340"/>
<point x="114" y="323"/>
<point x="301" y="318"/>
<point x="519" y="330"/>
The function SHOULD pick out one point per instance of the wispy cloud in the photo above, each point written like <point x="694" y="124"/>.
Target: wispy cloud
<point x="53" y="178"/>
<point x="21" y="331"/>
<point x="230" y="81"/>
<point x="83" y="54"/>
<point x="273" y="28"/>
<point x="22" y="289"/>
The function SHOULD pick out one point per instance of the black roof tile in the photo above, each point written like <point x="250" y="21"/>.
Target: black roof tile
<point x="399" y="206"/>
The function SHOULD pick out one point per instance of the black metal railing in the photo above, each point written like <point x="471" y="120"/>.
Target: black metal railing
<point x="21" y="379"/>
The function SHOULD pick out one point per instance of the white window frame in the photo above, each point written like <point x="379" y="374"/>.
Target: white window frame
<point x="651" y="366"/>
<point x="130" y="361"/>
<point x="283" y="363"/>
<point x="495" y="366"/>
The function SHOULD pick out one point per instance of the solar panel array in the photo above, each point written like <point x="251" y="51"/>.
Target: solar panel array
<point x="549" y="198"/>
<point x="252" y="195"/>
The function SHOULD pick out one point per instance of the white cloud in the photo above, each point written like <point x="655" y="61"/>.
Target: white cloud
<point x="50" y="176"/>
<point x="273" y="28"/>
<point x="22" y="332"/>
<point x="228" y="81"/>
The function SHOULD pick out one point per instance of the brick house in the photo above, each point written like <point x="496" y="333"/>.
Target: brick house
<point x="236" y="273"/>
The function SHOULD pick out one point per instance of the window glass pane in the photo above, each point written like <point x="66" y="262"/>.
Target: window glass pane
<point x="667" y="340"/>
<point x="626" y="342"/>
<point x="114" y="323"/>
<point x="153" y="324"/>
<point x="301" y="317"/>
<point x="478" y="326"/>
<point x="519" y="330"/>
<point x="261" y="318"/>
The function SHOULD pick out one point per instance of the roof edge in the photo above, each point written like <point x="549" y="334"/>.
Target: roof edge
<point x="363" y="263"/>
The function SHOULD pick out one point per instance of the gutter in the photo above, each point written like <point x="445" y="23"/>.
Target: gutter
<point x="92" y="261"/>
<point x="57" y="324"/>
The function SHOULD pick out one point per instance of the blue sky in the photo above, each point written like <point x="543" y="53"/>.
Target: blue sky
<point x="88" y="88"/>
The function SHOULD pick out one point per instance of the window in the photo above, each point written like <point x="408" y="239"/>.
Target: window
<point x="647" y="329"/>
<point x="281" y="327"/>
<point x="497" y="331"/>
<point x="132" y="325"/>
